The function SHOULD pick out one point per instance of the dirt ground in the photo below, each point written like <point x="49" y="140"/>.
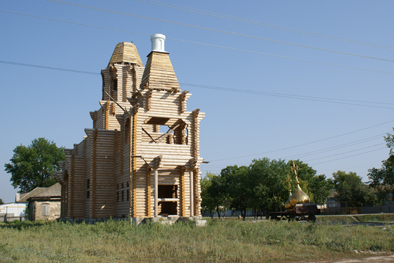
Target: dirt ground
<point x="369" y="259"/>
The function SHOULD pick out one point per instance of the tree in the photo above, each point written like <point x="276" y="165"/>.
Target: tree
<point x="214" y="194"/>
<point x="1" y="201"/>
<point x="34" y="165"/>
<point x="382" y="180"/>
<point x="235" y="181"/>
<point x="351" y="189"/>
<point x="219" y="194"/>
<point x="268" y="183"/>
<point x="263" y="185"/>
<point x="390" y="142"/>
<point x="321" y="188"/>
<point x="207" y="203"/>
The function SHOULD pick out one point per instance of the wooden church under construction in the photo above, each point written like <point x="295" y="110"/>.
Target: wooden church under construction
<point x="141" y="158"/>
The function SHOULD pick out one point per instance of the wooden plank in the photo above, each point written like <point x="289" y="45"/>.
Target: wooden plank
<point x="72" y="186"/>
<point x="94" y="163"/>
<point x="134" y="168"/>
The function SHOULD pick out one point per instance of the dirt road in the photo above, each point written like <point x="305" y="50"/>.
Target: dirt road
<point x="371" y="259"/>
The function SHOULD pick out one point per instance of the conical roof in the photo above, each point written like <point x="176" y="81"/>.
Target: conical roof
<point x="159" y="73"/>
<point x="126" y="52"/>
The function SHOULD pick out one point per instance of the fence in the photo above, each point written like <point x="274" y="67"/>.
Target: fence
<point x="358" y="210"/>
<point x="11" y="217"/>
<point x="325" y="211"/>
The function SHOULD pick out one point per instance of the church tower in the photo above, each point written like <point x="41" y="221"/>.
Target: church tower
<point x="141" y="158"/>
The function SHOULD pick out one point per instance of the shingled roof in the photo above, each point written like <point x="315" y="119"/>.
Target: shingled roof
<point x="126" y="52"/>
<point x="42" y="192"/>
<point x="159" y="73"/>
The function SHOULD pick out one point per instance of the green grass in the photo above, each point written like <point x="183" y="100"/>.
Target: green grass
<point x="335" y="218"/>
<point x="385" y="218"/>
<point x="219" y="241"/>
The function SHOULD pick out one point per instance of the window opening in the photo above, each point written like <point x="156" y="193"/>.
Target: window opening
<point x="45" y="208"/>
<point x="127" y="131"/>
<point x="114" y="89"/>
<point x="186" y="137"/>
<point x="165" y="130"/>
<point x="114" y="85"/>
<point x="167" y="208"/>
<point x="168" y="191"/>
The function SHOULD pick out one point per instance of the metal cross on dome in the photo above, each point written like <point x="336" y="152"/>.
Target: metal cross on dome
<point x="294" y="169"/>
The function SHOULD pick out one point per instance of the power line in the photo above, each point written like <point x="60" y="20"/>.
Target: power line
<point x="219" y="31"/>
<point x="263" y="93"/>
<point x="350" y="156"/>
<point x="259" y="23"/>
<point x="280" y="56"/>
<point x="329" y="149"/>
<point x="292" y="96"/>
<point x="297" y="156"/>
<point x="47" y="67"/>
<point x="75" y="23"/>
<point x="332" y="160"/>
<point x="204" y="44"/>
<point x="355" y="150"/>
<point x="308" y="143"/>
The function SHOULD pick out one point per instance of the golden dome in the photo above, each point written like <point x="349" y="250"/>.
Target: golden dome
<point x="298" y="197"/>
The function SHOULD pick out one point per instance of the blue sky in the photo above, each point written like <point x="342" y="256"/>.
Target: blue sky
<point x="308" y="80"/>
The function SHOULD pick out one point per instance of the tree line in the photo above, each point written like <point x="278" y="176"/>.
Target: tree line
<point x="263" y="186"/>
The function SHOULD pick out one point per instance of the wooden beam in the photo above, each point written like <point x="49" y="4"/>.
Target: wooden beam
<point x="182" y="103"/>
<point x="183" y="192"/>
<point x="107" y="114"/>
<point x="148" y="193"/>
<point x="133" y="147"/>
<point x="196" y="193"/>
<point x="156" y="191"/>
<point x="72" y="186"/>
<point x="176" y="124"/>
<point x="195" y="127"/>
<point x="125" y="111"/>
<point x="148" y="100"/>
<point x="150" y="136"/>
<point x="191" y="194"/>
<point x="94" y="168"/>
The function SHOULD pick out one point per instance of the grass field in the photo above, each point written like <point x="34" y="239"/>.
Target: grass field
<point x="374" y="218"/>
<point x="219" y="241"/>
<point x="388" y="218"/>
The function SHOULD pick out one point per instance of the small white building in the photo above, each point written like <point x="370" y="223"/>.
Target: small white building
<point x="12" y="211"/>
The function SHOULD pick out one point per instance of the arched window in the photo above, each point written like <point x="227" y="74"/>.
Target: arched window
<point x="127" y="131"/>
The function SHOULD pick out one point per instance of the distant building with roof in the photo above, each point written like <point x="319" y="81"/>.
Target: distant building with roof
<point x="44" y="203"/>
